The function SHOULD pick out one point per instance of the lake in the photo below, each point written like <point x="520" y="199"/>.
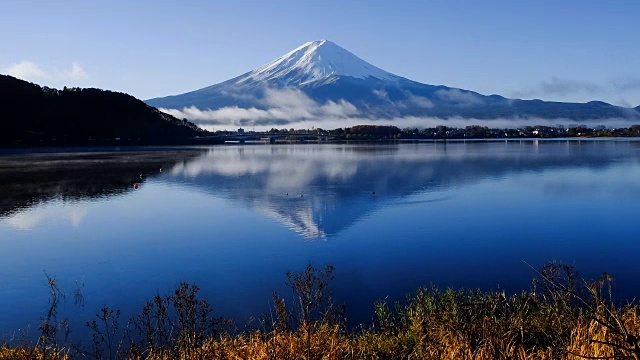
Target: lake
<point x="122" y="225"/>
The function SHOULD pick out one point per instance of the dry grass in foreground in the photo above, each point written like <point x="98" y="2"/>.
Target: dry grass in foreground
<point x="562" y="317"/>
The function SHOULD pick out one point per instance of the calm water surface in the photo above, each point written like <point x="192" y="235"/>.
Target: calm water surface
<point x="235" y="219"/>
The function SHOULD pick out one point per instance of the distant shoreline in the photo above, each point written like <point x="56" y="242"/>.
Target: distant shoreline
<point x="115" y="148"/>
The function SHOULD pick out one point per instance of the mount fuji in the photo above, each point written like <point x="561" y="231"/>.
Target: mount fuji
<point x="320" y="80"/>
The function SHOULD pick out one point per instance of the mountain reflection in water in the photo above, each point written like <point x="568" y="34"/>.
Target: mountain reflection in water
<point x="319" y="192"/>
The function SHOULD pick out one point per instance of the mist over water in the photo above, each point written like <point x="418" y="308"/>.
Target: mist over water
<point x="235" y="219"/>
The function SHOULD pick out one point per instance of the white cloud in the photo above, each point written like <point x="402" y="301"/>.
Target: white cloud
<point x="27" y="70"/>
<point x="411" y="99"/>
<point x="626" y="84"/>
<point x="459" y="97"/>
<point x="340" y="109"/>
<point x="562" y="89"/>
<point x="382" y="94"/>
<point x="420" y="101"/>
<point x="31" y="71"/>
<point x="281" y="107"/>
<point x="289" y="98"/>
<point x="77" y="73"/>
<point x="559" y="86"/>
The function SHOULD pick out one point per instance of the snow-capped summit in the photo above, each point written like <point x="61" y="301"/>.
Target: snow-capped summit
<point x="316" y="61"/>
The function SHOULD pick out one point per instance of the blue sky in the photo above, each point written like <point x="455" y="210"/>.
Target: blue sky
<point x="552" y="50"/>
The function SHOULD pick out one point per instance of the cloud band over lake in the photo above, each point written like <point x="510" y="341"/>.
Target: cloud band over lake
<point x="290" y="107"/>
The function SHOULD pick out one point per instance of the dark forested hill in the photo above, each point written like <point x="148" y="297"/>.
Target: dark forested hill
<point x="31" y="115"/>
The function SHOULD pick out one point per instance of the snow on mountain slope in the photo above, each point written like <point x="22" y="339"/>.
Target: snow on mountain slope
<point x="316" y="61"/>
